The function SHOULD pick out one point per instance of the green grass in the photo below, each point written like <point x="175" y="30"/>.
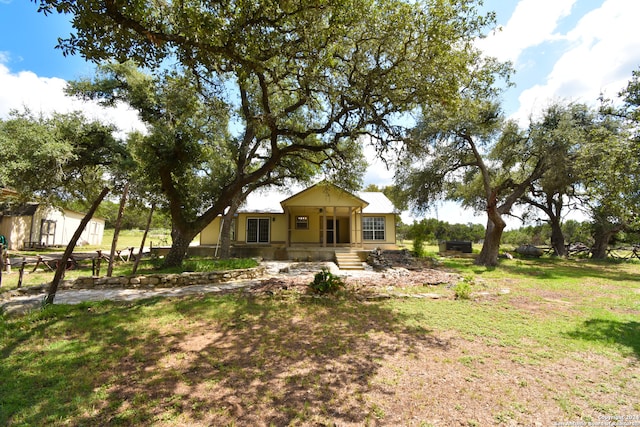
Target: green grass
<point x="595" y="299"/>
<point x="126" y="239"/>
<point x="312" y="360"/>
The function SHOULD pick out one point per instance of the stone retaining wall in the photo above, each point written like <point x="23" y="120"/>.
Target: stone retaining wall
<point x="147" y="281"/>
<point x="167" y="280"/>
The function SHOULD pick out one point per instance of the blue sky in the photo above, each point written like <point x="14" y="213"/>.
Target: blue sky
<point x="561" y="49"/>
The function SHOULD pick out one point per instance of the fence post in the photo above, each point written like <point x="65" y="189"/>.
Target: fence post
<point x="97" y="264"/>
<point x="24" y="262"/>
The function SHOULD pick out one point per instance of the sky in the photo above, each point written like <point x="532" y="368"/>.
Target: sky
<point x="562" y="50"/>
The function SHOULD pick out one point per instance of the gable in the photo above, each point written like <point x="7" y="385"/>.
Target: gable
<point x="273" y="201"/>
<point x="324" y="194"/>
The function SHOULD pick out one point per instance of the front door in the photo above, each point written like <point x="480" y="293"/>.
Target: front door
<point x="333" y="231"/>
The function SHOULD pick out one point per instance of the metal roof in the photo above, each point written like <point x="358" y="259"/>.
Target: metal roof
<point x="269" y="202"/>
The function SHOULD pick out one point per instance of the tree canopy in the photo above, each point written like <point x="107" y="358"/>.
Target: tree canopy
<point x="288" y="82"/>
<point x="58" y="159"/>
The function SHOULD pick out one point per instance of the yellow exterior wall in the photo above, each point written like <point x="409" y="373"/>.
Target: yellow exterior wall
<point x="16" y="231"/>
<point x="320" y="196"/>
<point x="209" y="235"/>
<point x="310" y="235"/>
<point x="277" y="228"/>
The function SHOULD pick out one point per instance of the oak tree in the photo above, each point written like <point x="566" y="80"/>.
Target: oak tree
<point x="297" y="79"/>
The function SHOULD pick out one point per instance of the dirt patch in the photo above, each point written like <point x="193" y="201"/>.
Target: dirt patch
<point x="297" y="276"/>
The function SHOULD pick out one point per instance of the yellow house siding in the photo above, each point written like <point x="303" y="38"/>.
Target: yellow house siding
<point x="310" y="235"/>
<point x="16" y="231"/>
<point x="277" y="226"/>
<point x="209" y="235"/>
<point x="322" y="195"/>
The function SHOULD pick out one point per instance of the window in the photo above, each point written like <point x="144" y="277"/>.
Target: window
<point x="47" y="232"/>
<point x="258" y="230"/>
<point x="302" y="222"/>
<point x="373" y="228"/>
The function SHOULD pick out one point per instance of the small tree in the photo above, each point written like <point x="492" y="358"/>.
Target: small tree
<point x="452" y="146"/>
<point x="58" y="159"/>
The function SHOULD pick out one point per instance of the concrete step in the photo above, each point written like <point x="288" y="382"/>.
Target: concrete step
<point x="348" y="261"/>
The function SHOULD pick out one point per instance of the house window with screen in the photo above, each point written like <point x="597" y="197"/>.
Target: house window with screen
<point x="258" y="230"/>
<point x="373" y="228"/>
<point x="302" y="222"/>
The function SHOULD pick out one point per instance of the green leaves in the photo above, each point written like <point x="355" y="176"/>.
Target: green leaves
<point x="57" y="158"/>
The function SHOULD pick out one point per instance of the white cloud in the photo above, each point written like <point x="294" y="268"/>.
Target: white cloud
<point x="46" y="95"/>
<point x="603" y="50"/>
<point x="532" y="23"/>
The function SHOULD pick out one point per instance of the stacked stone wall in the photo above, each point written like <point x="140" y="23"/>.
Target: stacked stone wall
<point x="167" y="280"/>
<point x="148" y="281"/>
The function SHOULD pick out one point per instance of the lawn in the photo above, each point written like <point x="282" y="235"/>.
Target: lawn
<point x="43" y="274"/>
<point x="540" y="342"/>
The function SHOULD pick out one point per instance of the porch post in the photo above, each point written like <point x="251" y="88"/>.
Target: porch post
<point x="354" y="226"/>
<point x="335" y="228"/>
<point x="351" y="224"/>
<point x="360" y="229"/>
<point x="287" y="215"/>
<point x="323" y="227"/>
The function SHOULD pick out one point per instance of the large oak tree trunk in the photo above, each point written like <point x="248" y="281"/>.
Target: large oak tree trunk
<point x="600" y="246"/>
<point x="602" y="235"/>
<point x="62" y="266"/>
<point x="492" y="237"/>
<point x="180" y="240"/>
<point x="557" y="237"/>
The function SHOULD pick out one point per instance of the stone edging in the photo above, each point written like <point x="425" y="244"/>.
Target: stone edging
<point x="148" y="281"/>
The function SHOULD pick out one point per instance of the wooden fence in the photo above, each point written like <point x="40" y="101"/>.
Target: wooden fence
<point x="52" y="261"/>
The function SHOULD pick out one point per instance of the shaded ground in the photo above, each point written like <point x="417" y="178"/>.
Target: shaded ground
<point x="279" y="357"/>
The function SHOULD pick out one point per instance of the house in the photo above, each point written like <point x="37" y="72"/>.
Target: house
<point x="36" y="225"/>
<point x="315" y="223"/>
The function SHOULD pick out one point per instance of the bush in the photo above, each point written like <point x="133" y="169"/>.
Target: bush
<point x="418" y="246"/>
<point x="463" y="290"/>
<point x="324" y="282"/>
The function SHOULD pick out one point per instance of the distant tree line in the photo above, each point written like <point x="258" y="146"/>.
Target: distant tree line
<point x="432" y="231"/>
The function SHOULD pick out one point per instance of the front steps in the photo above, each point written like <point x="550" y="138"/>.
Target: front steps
<point x="348" y="261"/>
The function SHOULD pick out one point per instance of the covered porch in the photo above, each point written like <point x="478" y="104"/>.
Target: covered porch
<point x="323" y="227"/>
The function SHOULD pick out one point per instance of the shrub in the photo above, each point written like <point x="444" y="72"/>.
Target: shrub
<point x="463" y="290"/>
<point x="324" y="282"/>
<point x="418" y="246"/>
